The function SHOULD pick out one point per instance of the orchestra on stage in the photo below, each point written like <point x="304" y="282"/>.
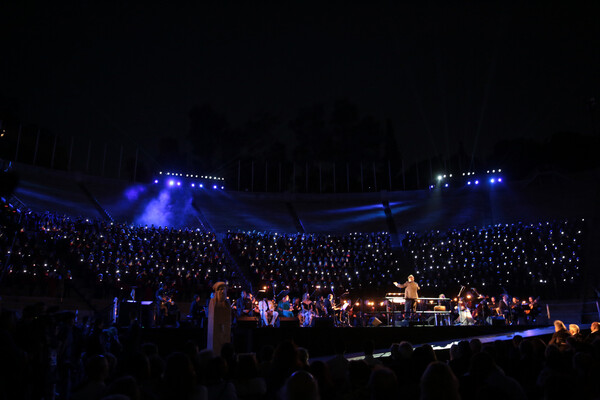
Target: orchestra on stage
<point x="403" y="308"/>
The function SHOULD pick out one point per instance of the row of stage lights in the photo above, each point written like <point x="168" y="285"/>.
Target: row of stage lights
<point x="214" y="178"/>
<point x="178" y="180"/>
<point x="172" y="183"/>
<point x="469" y="178"/>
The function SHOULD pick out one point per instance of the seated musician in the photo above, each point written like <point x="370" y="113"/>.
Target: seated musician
<point x="532" y="311"/>
<point x="504" y="308"/>
<point x="320" y="308"/>
<point x="244" y="306"/>
<point x="284" y="307"/>
<point x="307" y="312"/>
<point x="483" y="313"/>
<point x="197" y="312"/>
<point x="330" y="305"/>
<point x="464" y="314"/>
<point x="517" y="314"/>
<point x="493" y="304"/>
<point x="165" y="306"/>
<point x="268" y="314"/>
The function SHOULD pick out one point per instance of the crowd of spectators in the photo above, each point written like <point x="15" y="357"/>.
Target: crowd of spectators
<point x="523" y="259"/>
<point x="50" y="250"/>
<point x="49" y="355"/>
<point x="543" y="258"/>
<point x="110" y="257"/>
<point x="304" y="262"/>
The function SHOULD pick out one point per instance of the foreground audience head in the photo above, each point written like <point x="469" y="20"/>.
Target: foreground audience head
<point x="559" y="325"/>
<point x="383" y="384"/>
<point x="300" y="386"/>
<point x="439" y="383"/>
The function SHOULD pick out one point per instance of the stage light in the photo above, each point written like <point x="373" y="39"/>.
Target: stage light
<point x="469" y="182"/>
<point x="499" y="170"/>
<point x="222" y="187"/>
<point x="439" y="177"/>
<point x="499" y="179"/>
<point x="171" y="182"/>
<point x="160" y="173"/>
<point x="178" y="183"/>
<point x="156" y="181"/>
<point x="201" y="185"/>
<point x="214" y="186"/>
<point x="446" y="185"/>
<point x="193" y="185"/>
<point x="477" y="182"/>
<point x="492" y="180"/>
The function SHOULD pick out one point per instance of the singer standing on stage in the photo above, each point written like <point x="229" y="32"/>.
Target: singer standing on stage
<point x="411" y="293"/>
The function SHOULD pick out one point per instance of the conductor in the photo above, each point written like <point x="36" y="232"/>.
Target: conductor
<point x="410" y="293"/>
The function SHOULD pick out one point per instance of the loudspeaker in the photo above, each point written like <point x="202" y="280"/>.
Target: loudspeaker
<point x="289" y="322"/>
<point x="375" y="322"/>
<point x="125" y="309"/>
<point x="323" y="322"/>
<point x="498" y="321"/>
<point x="148" y="314"/>
<point x="247" y="322"/>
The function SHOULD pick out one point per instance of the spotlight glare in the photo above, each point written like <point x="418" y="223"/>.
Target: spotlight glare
<point x="468" y="183"/>
<point x="492" y="180"/>
<point x="156" y="181"/>
<point x="178" y="183"/>
<point x="439" y="177"/>
<point x="201" y="185"/>
<point x="214" y="186"/>
<point x="171" y="182"/>
<point x="499" y="179"/>
<point x="222" y="187"/>
<point x="477" y="182"/>
<point x="193" y="185"/>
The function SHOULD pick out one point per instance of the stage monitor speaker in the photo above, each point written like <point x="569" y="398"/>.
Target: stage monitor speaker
<point x="148" y="314"/>
<point x="247" y="322"/>
<point x="498" y="321"/>
<point x="289" y="322"/>
<point x="403" y="323"/>
<point x="323" y="322"/>
<point x="128" y="309"/>
<point x="375" y="322"/>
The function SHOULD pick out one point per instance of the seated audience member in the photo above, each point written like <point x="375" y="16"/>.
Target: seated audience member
<point x="248" y="384"/>
<point x="575" y="332"/>
<point x="300" y="386"/>
<point x="559" y="338"/>
<point x="594" y="334"/>
<point x="439" y="383"/>
<point x="97" y="371"/>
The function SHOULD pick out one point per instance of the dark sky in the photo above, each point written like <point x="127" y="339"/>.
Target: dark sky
<point x="443" y="72"/>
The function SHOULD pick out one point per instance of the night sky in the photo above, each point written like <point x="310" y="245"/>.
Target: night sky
<point x="442" y="72"/>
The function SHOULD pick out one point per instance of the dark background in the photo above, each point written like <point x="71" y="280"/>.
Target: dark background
<point x="208" y="86"/>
